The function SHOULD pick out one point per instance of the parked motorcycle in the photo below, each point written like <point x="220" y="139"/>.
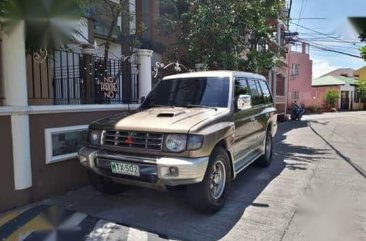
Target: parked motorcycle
<point x="297" y="112"/>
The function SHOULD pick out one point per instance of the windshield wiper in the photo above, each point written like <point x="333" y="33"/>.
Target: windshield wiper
<point x="199" y="106"/>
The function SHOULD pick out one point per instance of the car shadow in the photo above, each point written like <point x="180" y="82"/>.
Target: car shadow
<point x="168" y="214"/>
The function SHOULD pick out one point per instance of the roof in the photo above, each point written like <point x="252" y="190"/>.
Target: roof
<point x="216" y="73"/>
<point x="333" y="80"/>
<point x="341" y="72"/>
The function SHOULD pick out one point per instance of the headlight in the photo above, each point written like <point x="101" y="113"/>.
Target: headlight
<point x="95" y="137"/>
<point x="176" y="143"/>
<point x="179" y="143"/>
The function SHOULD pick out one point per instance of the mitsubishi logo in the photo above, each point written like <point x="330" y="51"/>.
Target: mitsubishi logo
<point x="129" y="139"/>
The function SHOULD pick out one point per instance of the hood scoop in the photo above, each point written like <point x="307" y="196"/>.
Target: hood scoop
<point x="170" y="114"/>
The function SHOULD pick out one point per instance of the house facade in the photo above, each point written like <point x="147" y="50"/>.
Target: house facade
<point x="300" y="71"/>
<point x="360" y="73"/>
<point x="344" y="86"/>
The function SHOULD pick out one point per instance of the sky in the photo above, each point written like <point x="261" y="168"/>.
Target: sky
<point x="330" y="29"/>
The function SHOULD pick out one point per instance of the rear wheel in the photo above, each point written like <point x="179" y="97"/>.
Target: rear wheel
<point x="266" y="159"/>
<point x="210" y="195"/>
<point x="104" y="185"/>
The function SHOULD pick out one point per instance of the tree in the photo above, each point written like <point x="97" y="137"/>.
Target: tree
<point x="363" y="52"/>
<point x="225" y="34"/>
<point x="331" y="98"/>
<point x="361" y="90"/>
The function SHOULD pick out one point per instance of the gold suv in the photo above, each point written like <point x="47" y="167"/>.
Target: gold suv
<point x="197" y="130"/>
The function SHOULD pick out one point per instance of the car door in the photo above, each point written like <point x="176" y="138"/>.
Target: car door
<point x="268" y="110"/>
<point x="258" y="123"/>
<point x="243" y="124"/>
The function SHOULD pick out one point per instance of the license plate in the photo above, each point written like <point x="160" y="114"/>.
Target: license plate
<point x="125" y="168"/>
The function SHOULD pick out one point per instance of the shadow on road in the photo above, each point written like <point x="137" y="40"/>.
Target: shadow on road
<point x="168" y="213"/>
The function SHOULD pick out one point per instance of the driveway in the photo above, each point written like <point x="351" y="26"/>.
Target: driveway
<point x="276" y="203"/>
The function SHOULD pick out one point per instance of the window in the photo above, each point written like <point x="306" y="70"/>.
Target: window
<point x="280" y="85"/>
<point x="208" y="91"/>
<point x="255" y="92"/>
<point x="295" y="95"/>
<point x="295" y="69"/>
<point x="241" y="87"/>
<point x="63" y="143"/>
<point x="266" y="92"/>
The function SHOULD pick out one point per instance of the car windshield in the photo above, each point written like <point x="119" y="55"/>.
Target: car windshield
<point x="190" y="92"/>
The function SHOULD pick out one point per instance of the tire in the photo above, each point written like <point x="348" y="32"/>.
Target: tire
<point x="210" y="195"/>
<point x="266" y="159"/>
<point x="103" y="185"/>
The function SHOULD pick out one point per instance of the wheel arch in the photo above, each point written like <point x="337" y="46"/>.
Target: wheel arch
<point x="224" y="144"/>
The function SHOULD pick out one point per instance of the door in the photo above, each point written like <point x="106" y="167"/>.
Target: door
<point x="243" y="124"/>
<point x="259" y="118"/>
<point x="344" y="100"/>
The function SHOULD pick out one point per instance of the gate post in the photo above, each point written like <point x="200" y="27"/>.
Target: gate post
<point x="87" y="69"/>
<point x="15" y="91"/>
<point x="145" y="75"/>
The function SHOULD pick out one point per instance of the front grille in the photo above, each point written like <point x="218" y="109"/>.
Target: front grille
<point x="152" y="141"/>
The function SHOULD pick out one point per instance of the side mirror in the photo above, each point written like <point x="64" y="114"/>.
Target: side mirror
<point x="244" y="102"/>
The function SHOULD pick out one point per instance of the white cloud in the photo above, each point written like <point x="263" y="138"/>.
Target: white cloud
<point x="321" y="67"/>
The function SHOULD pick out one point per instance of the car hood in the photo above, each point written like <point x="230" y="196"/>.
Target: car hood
<point x="161" y="119"/>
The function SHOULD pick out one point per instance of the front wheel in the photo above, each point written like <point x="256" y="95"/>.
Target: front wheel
<point x="210" y="195"/>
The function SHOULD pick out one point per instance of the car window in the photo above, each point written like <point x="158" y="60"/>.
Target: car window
<point x="266" y="92"/>
<point x="255" y="92"/>
<point x="241" y="87"/>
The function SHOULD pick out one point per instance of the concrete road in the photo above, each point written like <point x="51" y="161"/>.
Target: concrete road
<point x="314" y="190"/>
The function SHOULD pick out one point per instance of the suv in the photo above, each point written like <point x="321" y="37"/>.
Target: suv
<point x="197" y="130"/>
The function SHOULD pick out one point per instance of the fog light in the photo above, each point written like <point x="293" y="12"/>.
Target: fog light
<point x="173" y="171"/>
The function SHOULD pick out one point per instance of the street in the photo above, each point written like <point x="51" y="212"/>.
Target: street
<point x="315" y="189"/>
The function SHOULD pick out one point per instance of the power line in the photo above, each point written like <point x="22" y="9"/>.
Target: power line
<point x="324" y="34"/>
<point x="309" y="18"/>
<point x="330" y="50"/>
<point x="300" y="14"/>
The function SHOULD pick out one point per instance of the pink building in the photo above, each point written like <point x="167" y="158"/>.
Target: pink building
<point x="300" y="68"/>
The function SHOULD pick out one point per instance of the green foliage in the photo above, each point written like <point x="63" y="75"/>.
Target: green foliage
<point x="48" y="23"/>
<point x="331" y="98"/>
<point x="224" y="34"/>
<point x="363" y="52"/>
<point x="361" y="90"/>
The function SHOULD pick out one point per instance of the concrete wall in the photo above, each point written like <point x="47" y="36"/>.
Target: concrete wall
<point x="302" y="81"/>
<point x="48" y="179"/>
<point x="319" y="94"/>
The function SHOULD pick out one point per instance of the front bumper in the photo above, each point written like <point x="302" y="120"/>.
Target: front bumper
<point x="154" y="171"/>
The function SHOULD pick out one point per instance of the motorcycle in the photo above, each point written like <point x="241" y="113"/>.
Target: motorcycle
<point x="297" y="112"/>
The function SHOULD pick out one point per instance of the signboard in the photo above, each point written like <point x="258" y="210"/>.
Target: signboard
<point x="108" y="87"/>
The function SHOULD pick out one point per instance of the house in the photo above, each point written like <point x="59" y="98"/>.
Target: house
<point x="346" y="72"/>
<point x="360" y="73"/>
<point x="300" y="70"/>
<point x="346" y="87"/>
